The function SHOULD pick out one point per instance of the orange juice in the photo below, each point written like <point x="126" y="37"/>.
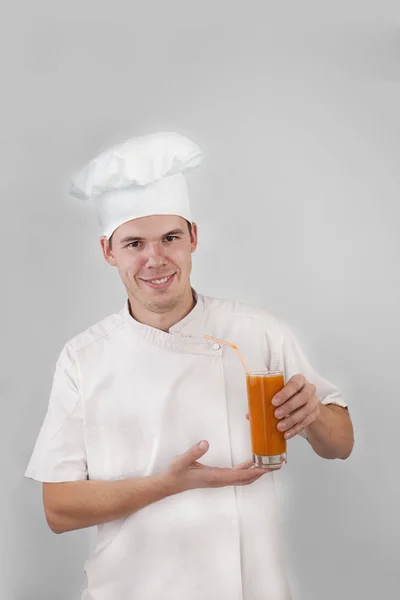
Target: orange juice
<point x="268" y="443"/>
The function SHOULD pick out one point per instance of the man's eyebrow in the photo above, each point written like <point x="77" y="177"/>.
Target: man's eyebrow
<point x="174" y="232"/>
<point x="133" y="238"/>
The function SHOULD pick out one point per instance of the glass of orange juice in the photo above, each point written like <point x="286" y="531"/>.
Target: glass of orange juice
<point x="268" y="443"/>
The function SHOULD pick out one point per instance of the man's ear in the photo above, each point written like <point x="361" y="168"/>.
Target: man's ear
<point x="107" y="251"/>
<point x="194" y="237"/>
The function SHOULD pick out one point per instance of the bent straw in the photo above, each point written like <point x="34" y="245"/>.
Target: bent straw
<point x="213" y="339"/>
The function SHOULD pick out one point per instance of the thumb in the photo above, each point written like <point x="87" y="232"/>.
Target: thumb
<point x="193" y="454"/>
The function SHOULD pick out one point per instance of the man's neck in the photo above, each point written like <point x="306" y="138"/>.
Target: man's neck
<point x="163" y="321"/>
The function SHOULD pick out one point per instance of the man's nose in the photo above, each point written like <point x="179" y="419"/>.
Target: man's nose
<point x="155" y="256"/>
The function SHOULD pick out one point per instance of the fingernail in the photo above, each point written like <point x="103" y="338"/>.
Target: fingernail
<point x="275" y="401"/>
<point x="203" y="445"/>
<point x="279" y="414"/>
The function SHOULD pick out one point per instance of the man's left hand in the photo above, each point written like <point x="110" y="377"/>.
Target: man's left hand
<point x="297" y="405"/>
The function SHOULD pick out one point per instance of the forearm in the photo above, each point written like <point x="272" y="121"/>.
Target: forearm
<point x="331" y="435"/>
<point x="79" y="504"/>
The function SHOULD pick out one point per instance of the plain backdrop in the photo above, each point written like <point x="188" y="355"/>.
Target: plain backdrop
<point x="296" y="107"/>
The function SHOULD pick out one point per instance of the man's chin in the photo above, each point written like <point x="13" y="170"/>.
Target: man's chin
<point x="162" y="305"/>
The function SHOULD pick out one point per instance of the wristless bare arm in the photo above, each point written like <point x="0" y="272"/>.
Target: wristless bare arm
<point x="79" y="504"/>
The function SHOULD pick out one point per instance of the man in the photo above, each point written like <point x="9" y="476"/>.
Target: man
<point x="145" y="434"/>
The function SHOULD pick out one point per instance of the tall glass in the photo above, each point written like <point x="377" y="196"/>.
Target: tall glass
<point x="268" y="443"/>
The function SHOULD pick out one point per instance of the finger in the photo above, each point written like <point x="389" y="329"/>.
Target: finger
<point x="244" y="465"/>
<point x="297" y="416"/>
<point x="288" y="407"/>
<point x="265" y="471"/>
<point x="219" y="476"/>
<point x="293" y="421"/>
<point x="247" y="416"/>
<point x="247" y="475"/>
<point x="256" y="478"/>
<point x="197" y="465"/>
<point x="293" y="386"/>
<point x="300" y="426"/>
<point x="193" y="454"/>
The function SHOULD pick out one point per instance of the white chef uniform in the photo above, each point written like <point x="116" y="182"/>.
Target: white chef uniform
<point x="126" y="399"/>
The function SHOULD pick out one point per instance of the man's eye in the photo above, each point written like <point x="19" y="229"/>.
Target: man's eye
<point x="170" y="238"/>
<point x="134" y="244"/>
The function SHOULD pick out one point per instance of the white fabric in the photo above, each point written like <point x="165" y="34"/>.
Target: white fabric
<point x="168" y="196"/>
<point x="126" y="399"/>
<point x="142" y="176"/>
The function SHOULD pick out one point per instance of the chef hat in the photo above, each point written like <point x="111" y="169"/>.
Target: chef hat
<point x="140" y="177"/>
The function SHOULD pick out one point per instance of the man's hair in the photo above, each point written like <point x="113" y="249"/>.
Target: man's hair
<point x="188" y="224"/>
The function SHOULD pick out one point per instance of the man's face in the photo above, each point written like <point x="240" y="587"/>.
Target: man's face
<point x="154" y="258"/>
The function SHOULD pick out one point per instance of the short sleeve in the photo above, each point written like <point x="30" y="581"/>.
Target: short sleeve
<point x="295" y="361"/>
<point x="59" y="454"/>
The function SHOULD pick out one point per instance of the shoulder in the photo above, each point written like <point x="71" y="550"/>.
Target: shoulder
<point x="227" y="309"/>
<point x="102" y="330"/>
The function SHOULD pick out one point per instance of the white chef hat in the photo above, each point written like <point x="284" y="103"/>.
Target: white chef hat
<point x="140" y="177"/>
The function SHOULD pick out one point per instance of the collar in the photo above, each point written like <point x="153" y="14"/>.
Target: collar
<point x="185" y="336"/>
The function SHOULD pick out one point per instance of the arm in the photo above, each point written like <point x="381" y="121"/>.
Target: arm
<point x="328" y="428"/>
<point x="331" y="435"/>
<point x="71" y="501"/>
<point x="311" y="405"/>
<point x="79" y="504"/>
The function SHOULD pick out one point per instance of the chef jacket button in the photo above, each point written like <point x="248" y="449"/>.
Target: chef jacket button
<point x="216" y="346"/>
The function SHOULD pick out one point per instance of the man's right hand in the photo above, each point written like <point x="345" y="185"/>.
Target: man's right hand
<point x="186" y="473"/>
<point x="78" y="504"/>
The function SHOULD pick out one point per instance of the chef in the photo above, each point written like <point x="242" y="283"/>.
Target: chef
<point x="146" y="435"/>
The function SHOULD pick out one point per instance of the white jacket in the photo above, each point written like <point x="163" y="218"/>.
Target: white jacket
<point x="126" y="399"/>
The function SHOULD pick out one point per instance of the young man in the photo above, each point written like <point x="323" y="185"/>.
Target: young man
<point x="146" y="433"/>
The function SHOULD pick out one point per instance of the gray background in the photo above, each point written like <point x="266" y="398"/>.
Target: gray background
<point x="296" y="105"/>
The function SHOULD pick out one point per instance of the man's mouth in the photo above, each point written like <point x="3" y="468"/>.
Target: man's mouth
<point x="159" y="283"/>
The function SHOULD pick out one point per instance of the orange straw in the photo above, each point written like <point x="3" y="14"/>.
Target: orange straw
<point x="213" y="339"/>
